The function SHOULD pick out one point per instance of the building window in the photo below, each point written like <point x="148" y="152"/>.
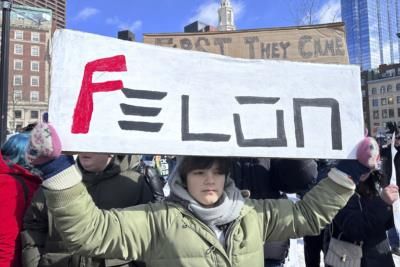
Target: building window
<point x="34" y="96"/>
<point x="397" y="86"/>
<point x="17" y="95"/>
<point x="376" y="114"/>
<point x="383" y="89"/>
<point x="390" y="100"/>
<point x="19" y="35"/>
<point x="18" y="49"/>
<point x="391" y="113"/>
<point x="375" y="102"/>
<point x="17" y="114"/>
<point x="398" y="113"/>
<point x="384" y="113"/>
<point x="373" y="91"/>
<point x="34" y="65"/>
<point x="389" y="88"/>
<point x="398" y="99"/>
<point x="35" y="81"/>
<point x="17" y="80"/>
<point x="18" y="64"/>
<point x="34" y="114"/>
<point x="35" y="37"/>
<point x="383" y="101"/>
<point x="35" y="51"/>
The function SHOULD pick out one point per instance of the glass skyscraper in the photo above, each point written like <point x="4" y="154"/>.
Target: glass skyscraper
<point x="371" y="28"/>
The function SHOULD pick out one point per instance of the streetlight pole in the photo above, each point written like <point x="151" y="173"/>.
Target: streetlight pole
<point x="5" y="47"/>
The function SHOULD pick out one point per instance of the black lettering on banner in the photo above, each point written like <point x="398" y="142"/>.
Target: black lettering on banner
<point x="132" y="110"/>
<point x="275" y="51"/>
<point x="339" y="47"/>
<point x="271" y="50"/>
<point x="143" y="94"/>
<point x="198" y="45"/>
<point x="165" y="42"/>
<point x="279" y="141"/>
<point x="187" y="136"/>
<point x="329" y="47"/>
<point x="336" y="128"/>
<point x="140" y="126"/>
<point x="284" y="46"/>
<point x="317" y="48"/>
<point x="302" y="46"/>
<point x="250" y="41"/>
<point x="246" y="100"/>
<point x="186" y="44"/>
<point x="265" y="50"/>
<point x="139" y="111"/>
<point x="221" y="43"/>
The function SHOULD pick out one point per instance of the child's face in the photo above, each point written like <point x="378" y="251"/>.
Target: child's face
<point x="206" y="185"/>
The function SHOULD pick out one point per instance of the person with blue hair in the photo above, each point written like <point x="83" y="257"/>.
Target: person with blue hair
<point x="17" y="186"/>
<point x="14" y="149"/>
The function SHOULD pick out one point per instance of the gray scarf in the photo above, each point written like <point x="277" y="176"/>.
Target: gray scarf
<point x="228" y="206"/>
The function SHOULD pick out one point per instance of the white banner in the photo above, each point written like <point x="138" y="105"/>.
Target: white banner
<point x="109" y="95"/>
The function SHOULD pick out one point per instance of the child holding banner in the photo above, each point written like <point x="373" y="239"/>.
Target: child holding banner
<point x="205" y="222"/>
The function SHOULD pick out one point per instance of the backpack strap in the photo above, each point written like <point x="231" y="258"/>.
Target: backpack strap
<point x="24" y="186"/>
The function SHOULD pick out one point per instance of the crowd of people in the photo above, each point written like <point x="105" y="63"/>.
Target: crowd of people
<point x="97" y="209"/>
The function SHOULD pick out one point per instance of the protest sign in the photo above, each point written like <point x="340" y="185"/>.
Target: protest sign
<point x="393" y="181"/>
<point x="324" y="43"/>
<point x="109" y="95"/>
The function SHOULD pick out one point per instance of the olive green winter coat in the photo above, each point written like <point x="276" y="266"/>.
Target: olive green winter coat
<point x="166" y="234"/>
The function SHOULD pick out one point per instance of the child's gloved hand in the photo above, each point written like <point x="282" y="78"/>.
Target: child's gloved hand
<point x="44" y="151"/>
<point x="44" y="144"/>
<point x="368" y="158"/>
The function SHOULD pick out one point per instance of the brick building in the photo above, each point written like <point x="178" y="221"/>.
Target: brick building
<point x="28" y="87"/>
<point x="382" y="96"/>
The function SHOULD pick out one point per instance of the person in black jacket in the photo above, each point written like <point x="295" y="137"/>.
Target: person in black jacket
<point x="365" y="220"/>
<point x="273" y="178"/>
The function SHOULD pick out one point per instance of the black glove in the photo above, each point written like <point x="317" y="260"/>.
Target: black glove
<point x="353" y="168"/>
<point x="155" y="182"/>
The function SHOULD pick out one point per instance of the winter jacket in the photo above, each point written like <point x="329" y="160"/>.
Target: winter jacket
<point x="367" y="225"/>
<point x="266" y="178"/>
<point x="118" y="186"/>
<point x="17" y="186"/>
<point x="167" y="234"/>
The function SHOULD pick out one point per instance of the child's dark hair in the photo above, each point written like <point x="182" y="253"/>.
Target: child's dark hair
<point x="191" y="163"/>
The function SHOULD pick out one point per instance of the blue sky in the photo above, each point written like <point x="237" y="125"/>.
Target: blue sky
<point x="107" y="17"/>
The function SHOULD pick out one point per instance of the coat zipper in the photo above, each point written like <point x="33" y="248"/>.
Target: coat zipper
<point x="229" y="237"/>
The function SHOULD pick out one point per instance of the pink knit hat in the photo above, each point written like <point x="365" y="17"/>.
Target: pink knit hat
<point x="44" y="144"/>
<point x="368" y="153"/>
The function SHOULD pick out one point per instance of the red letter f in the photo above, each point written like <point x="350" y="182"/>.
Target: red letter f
<point x="84" y="107"/>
